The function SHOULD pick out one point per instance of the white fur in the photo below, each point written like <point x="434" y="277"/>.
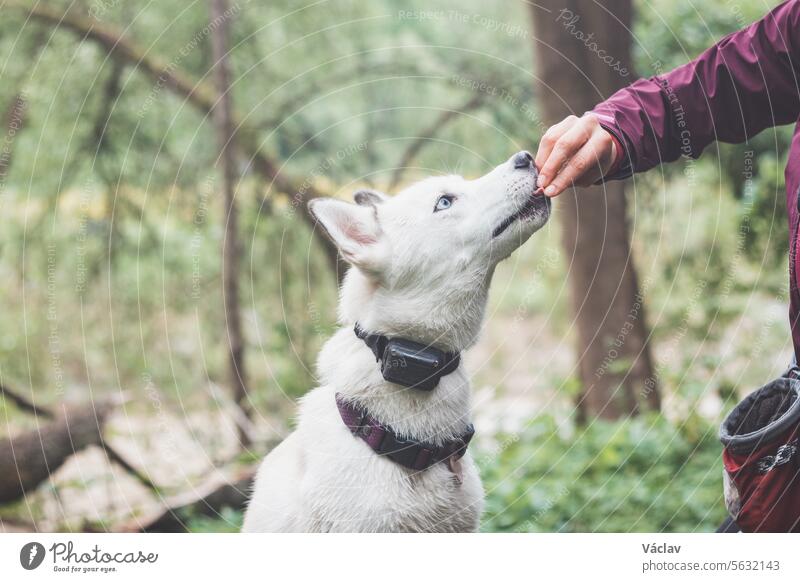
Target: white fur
<point x="422" y="275"/>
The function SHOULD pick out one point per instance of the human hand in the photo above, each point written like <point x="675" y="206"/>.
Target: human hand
<point x="576" y="151"/>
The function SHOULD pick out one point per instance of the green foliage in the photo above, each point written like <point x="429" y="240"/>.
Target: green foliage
<point x="158" y="294"/>
<point x="764" y="208"/>
<point x="228" y="521"/>
<point x="643" y="474"/>
<point x="672" y="33"/>
<point x="110" y="251"/>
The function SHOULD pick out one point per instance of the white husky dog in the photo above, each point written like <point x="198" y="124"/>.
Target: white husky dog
<point x="423" y="261"/>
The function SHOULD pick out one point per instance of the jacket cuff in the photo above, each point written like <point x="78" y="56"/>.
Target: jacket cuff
<point x="621" y="168"/>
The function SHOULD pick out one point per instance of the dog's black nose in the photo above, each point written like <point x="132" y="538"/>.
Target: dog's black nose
<point x="523" y="160"/>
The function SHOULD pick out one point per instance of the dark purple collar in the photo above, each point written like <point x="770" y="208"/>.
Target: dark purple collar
<point x="410" y="453"/>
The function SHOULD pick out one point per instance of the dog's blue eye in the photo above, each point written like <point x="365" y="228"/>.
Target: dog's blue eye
<point x="443" y="203"/>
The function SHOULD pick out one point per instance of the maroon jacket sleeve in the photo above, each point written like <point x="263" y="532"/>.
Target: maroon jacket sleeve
<point x="747" y="82"/>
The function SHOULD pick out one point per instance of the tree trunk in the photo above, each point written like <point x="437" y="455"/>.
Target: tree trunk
<point x="614" y="360"/>
<point x="225" y="129"/>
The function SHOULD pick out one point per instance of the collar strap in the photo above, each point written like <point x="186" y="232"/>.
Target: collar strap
<point x="409" y="363"/>
<point x="410" y="453"/>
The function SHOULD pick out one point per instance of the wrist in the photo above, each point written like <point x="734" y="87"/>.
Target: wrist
<point x="617" y="153"/>
<point x="618" y="148"/>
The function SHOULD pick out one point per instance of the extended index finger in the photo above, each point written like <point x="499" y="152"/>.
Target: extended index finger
<point x="566" y="146"/>
<point x="550" y="137"/>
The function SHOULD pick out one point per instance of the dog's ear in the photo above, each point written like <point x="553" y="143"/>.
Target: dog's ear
<point x="355" y="231"/>
<point x="369" y="197"/>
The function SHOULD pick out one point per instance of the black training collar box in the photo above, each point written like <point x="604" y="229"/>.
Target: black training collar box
<point x="407" y="362"/>
<point x="411" y="364"/>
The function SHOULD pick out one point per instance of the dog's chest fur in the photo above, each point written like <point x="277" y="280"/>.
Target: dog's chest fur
<point x="350" y="488"/>
<point x="340" y="484"/>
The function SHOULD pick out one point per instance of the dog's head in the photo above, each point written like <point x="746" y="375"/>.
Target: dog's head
<point x="424" y="258"/>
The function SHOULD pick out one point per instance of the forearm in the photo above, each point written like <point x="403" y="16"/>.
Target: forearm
<point x="743" y="84"/>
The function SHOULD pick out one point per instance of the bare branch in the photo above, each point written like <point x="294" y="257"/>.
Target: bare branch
<point x="23" y="403"/>
<point x="198" y="93"/>
<point x="114" y="457"/>
<point x="413" y="150"/>
<point x="208" y="499"/>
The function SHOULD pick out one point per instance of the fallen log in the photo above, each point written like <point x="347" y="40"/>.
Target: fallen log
<point x="208" y="499"/>
<point x="29" y="458"/>
<point x="16" y="526"/>
<point x="113" y="456"/>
